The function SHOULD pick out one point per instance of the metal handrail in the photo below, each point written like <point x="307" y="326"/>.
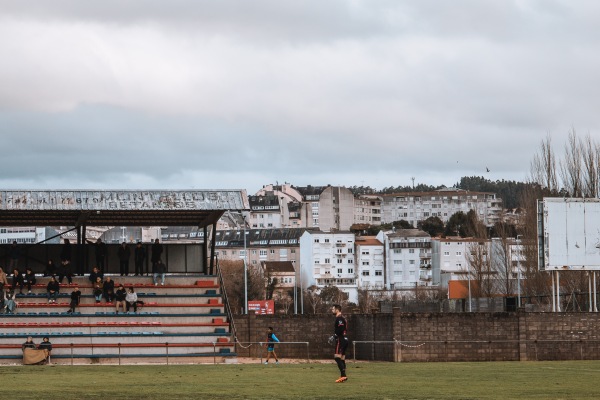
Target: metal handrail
<point x="225" y="299"/>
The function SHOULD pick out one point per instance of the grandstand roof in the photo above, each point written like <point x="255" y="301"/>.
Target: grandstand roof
<point x="117" y="207"/>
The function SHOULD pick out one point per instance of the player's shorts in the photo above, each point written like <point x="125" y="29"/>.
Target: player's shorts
<point x="271" y="348"/>
<point x="340" y="348"/>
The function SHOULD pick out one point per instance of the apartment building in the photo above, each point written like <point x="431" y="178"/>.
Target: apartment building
<point x="367" y="209"/>
<point x="279" y="206"/>
<point x="408" y="258"/>
<point x="418" y="206"/>
<point x="27" y="235"/>
<point x="327" y="258"/>
<point x="450" y="257"/>
<point x="259" y="245"/>
<point x="369" y="262"/>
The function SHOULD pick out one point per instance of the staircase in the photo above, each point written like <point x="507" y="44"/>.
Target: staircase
<point x="184" y="321"/>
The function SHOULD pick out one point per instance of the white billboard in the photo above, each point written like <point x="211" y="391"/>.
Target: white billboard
<point x="569" y="234"/>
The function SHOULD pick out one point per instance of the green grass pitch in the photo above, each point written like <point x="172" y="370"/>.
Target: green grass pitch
<point x="367" y="380"/>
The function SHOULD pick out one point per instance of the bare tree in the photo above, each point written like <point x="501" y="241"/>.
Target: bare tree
<point x="590" y="152"/>
<point x="571" y="166"/>
<point x="501" y="247"/>
<point x="312" y="298"/>
<point x="543" y="166"/>
<point x="284" y="301"/>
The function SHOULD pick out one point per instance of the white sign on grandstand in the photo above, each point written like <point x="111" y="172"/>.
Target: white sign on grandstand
<point x="569" y="234"/>
<point x="123" y="200"/>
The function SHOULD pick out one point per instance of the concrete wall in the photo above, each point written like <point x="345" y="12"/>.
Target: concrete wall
<point x="433" y="336"/>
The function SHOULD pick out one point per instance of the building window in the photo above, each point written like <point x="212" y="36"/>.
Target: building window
<point x="378" y="273"/>
<point x="446" y="253"/>
<point x="350" y="270"/>
<point x="365" y="263"/>
<point x="459" y="253"/>
<point x="339" y="261"/>
<point x="316" y="240"/>
<point x="365" y="273"/>
<point x="263" y="253"/>
<point x="411" y="251"/>
<point x="350" y="261"/>
<point x="398" y="262"/>
<point x="327" y="261"/>
<point x="272" y="251"/>
<point x="326" y="240"/>
<point x="339" y="270"/>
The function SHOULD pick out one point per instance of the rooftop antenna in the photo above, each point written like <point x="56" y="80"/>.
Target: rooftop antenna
<point x="413" y="180"/>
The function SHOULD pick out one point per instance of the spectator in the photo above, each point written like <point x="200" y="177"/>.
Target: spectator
<point x="100" y="252"/>
<point x="14" y="253"/>
<point x="98" y="289"/>
<point x="131" y="299"/>
<point x="124" y="255"/>
<point x="17" y="280"/>
<point x="50" y="268"/>
<point x="160" y="269"/>
<point x="139" y="257"/>
<point x="157" y="250"/>
<point x="45" y="345"/>
<point x="28" y="344"/>
<point x="75" y="299"/>
<point x="53" y="288"/>
<point x="65" y="261"/>
<point x="29" y="279"/>
<point x="120" y="296"/>
<point x="109" y="290"/>
<point x="3" y="280"/>
<point x="65" y="270"/>
<point x="9" y="302"/>
<point x="95" y="274"/>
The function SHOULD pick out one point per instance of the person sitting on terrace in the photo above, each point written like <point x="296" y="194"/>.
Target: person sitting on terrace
<point x="95" y="274"/>
<point x="75" y="299"/>
<point x="50" y="268"/>
<point x="45" y="345"/>
<point x="53" y="288"/>
<point x="10" y="303"/>
<point x="97" y="289"/>
<point x="120" y="296"/>
<point x="3" y="280"/>
<point x="131" y="299"/>
<point x="28" y="344"/>
<point x="17" y="280"/>
<point x="109" y="290"/>
<point x="29" y="279"/>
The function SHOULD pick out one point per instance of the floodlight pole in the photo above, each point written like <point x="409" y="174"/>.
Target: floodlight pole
<point x="518" y="271"/>
<point x="245" y="270"/>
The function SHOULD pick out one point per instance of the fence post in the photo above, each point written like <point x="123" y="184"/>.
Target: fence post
<point x="307" y="353"/>
<point x="214" y="353"/>
<point x="119" y="345"/>
<point x="167" y="351"/>
<point x="72" y="353"/>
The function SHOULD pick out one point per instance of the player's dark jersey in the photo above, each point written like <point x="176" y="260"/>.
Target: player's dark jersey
<point x="341" y="326"/>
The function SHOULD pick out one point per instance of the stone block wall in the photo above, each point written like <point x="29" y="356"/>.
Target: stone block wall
<point x="410" y="337"/>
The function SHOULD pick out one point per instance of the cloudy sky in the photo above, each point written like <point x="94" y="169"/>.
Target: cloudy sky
<point x="224" y="94"/>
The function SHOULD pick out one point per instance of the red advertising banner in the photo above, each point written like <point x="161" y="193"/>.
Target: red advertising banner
<point x="262" y="307"/>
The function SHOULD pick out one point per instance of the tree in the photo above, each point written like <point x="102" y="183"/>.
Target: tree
<point x="456" y="225"/>
<point x="332" y="295"/>
<point x="312" y="298"/>
<point x="434" y="226"/>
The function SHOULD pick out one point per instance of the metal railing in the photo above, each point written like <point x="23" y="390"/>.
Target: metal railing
<point x="249" y="344"/>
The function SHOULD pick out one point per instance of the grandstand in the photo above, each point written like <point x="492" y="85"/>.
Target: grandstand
<point x="184" y="321"/>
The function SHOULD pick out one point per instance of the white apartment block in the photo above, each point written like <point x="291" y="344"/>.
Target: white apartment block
<point x="327" y="258"/>
<point x="418" y="206"/>
<point x="408" y="258"/>
<point x="367" y="209"/>
<point x="279" y="206"/>
<point x="26" y="235"/>
<point x="369" y="263"/>
<point x="259" y="245"/>
<point x="450" y="258"/>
